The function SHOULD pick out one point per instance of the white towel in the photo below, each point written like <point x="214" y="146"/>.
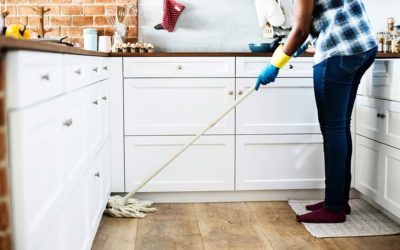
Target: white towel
<point x="269" y="10"/>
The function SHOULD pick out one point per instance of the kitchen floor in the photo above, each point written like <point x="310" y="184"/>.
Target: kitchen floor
<point x="235" y="225"/>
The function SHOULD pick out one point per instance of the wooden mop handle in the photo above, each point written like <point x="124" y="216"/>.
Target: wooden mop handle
<point x="212" y="124"/>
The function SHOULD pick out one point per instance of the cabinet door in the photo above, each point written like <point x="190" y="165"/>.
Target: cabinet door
<point x="279" y="162"/>
<point x="205" y="166"/>
<point x="287" y="106"/>
<point x="75" y="72"/>
<point x="392" y="124"/>
<point x="177" y="106"/>
<point x="93" y="108"/>
<point x="105" y="109"/>
<point x="367" y="172"/>
<point x="391" y="184"/>
<point x="106" y="170"/>
<point x="384" y="79"/>
<point x="369" y="123"/>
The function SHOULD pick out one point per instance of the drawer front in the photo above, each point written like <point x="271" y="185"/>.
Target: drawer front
<point x="369" y="124"/>
<point x="32" y="77"/>
<point x="279" y="162"/>
<point x="277" y="108"/>
<point x="206" y="166"/>
<point x="391" y="184"/>
<point x="75" y="72"/>
<point x="94" y="117"/>
<point x="177" y="106"/>
<point x="94" y="67"/>
<point x="383" y="79"/>
<point x="252" y="67"/>
<point x="179" y="67"/>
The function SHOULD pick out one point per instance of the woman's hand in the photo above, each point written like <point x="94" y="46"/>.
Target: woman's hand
<point x="268" y="75"/>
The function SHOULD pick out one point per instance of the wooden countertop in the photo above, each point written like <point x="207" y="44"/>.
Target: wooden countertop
<point x="14" y="44"/>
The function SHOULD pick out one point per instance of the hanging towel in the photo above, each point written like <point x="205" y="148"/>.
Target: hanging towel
<point x="172" y="10"/>
<point x="269" y="10"/>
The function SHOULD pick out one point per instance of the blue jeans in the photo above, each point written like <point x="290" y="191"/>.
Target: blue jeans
<point x="336" y="82"/>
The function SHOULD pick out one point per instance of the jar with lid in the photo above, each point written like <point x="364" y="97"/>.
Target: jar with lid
<point x="381" y="40"/>
<point x="90" y="39"/>
<point x="387" y="44"/>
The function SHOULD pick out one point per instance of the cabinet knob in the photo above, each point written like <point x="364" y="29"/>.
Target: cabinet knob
<point x="45" y="77"/>
<point x="180" y="67"/>
<point x="97" y="174"/>
<point x="78" y="71"/>
<point x="104" y="98"/>
<point x="383" y="116"/>
<point x="291" y="66"/>
<point x="96" y="102"/>
<point x="240" y="92"/>
<point x="105" y="67"/>
<point x="96" y="69"/>
<point x="231" y="92"/>
<point x="68" y="123"/>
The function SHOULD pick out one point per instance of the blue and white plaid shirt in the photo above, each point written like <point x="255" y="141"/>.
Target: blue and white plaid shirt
<point x="340" y="27"/>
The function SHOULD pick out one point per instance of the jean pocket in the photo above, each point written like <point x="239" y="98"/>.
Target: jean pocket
<point x="351" y="64"/>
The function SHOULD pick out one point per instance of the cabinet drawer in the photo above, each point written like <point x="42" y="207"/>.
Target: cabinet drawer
<point x="252" y="67"/>
<point x="383" y="79"/>
<point x="75" y="72"/>
<point x="179" y="67"/>
<point x="279" y="162"/>
<point x="177" y="106"/>
<point x="206" y="166"/>
<point x="278" y="108"/>
<point x="32" y="77"/>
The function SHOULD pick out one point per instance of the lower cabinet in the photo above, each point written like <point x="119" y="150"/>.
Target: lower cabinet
<point x="208" y="165"/>
<point x="377" y="172"/>
<point x="279" y="162"/>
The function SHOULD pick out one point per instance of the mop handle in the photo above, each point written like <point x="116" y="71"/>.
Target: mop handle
<point x="212" y="124"/>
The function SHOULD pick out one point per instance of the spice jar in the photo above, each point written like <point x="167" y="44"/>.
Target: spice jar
<point x="387" y="44"/>
<point x="390" y="25"/>
<point x="380" y="41"/>
<point x="90" y="38"/>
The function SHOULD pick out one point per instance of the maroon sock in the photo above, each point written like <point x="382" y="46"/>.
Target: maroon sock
<point x="322" y="215"/>
<point x="321" y="204"/>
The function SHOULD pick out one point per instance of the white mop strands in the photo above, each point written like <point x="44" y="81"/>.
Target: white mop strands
<point x="131" y="208"/>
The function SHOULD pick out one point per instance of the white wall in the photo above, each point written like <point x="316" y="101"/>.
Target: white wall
<point x="380" y="10"/>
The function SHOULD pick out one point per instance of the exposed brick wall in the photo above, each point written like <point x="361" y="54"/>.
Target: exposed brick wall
<point x="5" y="217"/>
<point x="68" y="17"/>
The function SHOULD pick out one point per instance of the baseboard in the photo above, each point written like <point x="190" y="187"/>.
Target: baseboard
<point x="380" y="208"/>
<point x="233" y="196"/>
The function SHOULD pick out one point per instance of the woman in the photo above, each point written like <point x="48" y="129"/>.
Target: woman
<point x="345" y="48"/>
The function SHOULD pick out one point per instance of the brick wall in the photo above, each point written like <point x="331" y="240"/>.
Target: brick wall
<point x="5" y="218"/>
<point x="68" y="17"/>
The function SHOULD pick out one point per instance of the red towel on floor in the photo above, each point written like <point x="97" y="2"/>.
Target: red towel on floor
<point x="172" y="10"/>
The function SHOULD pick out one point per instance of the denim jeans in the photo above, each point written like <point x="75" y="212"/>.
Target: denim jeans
<point x="336" y="81"/>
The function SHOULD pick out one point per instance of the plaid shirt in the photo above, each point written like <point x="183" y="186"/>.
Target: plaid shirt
<point x="340" y="27"/>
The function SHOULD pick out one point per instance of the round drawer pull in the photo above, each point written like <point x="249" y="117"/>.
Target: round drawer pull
<point x="68" y="123"/>
<point x="96" y="102"/>
<point x="231" y="92"/>
<point x="104" y="98"/>
<point x="96" y="69"/>
<point x="240" y="92"/>
<point x="78" y="72"/>
<point x="180" y="67"/>
<point x="291" y="66"/>
<point x="45" y="77"/>
<point x="105" y="67"/>
<point x="97" y="174"/>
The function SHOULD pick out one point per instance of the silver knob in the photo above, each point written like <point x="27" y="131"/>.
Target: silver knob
<point x="180" y="67"/>
<point x="231" y="92"/>
<point x="45" y="77"/>
<point x="104" y="98"/>
<point x="96" y="102"/>
<point x="68" y="123"/>
<point x="240" y="92"/>
<point x="291" y="66"/>
<point x="78" y="71"/>
<point x="105" y="67"/>
<point x="96" y="69"/>
<point x="97" y="174"/>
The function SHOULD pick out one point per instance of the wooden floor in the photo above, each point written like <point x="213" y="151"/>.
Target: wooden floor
<point x="239" y="225"/>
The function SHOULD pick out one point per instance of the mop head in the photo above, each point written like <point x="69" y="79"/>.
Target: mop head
<point x="133" y="208"/>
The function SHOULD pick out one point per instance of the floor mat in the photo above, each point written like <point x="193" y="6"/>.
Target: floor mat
<point x="364" y="220"/>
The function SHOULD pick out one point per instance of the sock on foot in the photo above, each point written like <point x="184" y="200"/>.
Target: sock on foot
<point x="322" y="215"/>
<point x="319" y="205"/>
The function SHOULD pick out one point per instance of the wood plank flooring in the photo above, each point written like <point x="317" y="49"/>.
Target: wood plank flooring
<point x="230" y="225"/>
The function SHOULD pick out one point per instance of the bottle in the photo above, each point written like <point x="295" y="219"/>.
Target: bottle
<point x="387" y="44"/>
<point x="380" y="41"/>
<point x="90" y="39"/>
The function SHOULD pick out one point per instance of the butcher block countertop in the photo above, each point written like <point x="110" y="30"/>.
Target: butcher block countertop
<point x="14" y="44"/>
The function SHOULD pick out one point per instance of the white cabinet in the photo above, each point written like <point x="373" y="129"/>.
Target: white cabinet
<point x="206" y="166"/>
<point x="377" y="173"/>
<point x="279" y="162"/>
<point x="284" y="107"/>
<point x="379" y="120"/>
<point x="177" y="106"/>
<point x="179" y="67"/>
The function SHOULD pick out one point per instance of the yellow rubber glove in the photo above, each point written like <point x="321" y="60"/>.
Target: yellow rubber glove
<point x="279" y="58"/>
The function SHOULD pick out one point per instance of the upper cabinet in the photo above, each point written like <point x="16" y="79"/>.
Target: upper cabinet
<point x="179" y="67"/>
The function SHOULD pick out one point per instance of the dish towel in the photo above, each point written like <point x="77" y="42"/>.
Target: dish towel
<point x="172" y="11"/>
<point x="269" y="10"/>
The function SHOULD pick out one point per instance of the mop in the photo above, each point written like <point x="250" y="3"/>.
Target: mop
<point x="118" y="206"/>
